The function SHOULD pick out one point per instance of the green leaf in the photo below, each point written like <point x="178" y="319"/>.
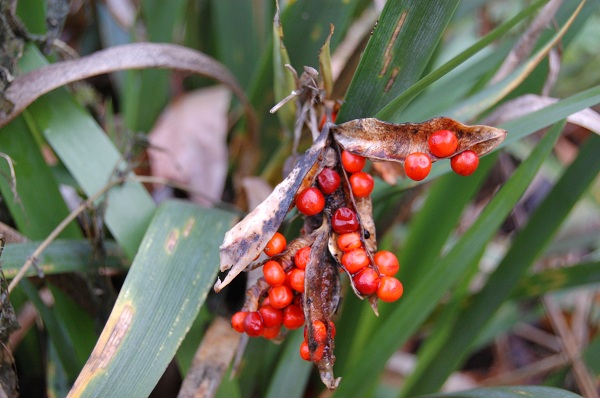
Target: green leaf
<point x="61" y="256"/>
<point x="525" y="249"/>
<point x="550" y="280"/>
<point x="396" y="55"/>
<point x="162" y="294"/>
<point x="91" y="158"/>
<point x="393" y="110"/>
<point x="421" y="298"/>
<point x="291" y="375"/>
<point x="509" y="392"/>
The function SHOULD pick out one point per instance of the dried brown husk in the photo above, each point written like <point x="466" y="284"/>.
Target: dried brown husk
<point x="321" y="299"/>
<point x="375" y="139"/>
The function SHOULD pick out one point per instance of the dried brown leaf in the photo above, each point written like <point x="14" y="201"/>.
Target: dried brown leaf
<point x="189" y="143"/>
<point x="375" y="139"/>
<point x="28" y="87"/>
<point x="248" y="238"/>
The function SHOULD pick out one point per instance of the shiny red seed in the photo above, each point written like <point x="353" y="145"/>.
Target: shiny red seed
<point x="274" y="273"/>
<point x="276" y="245"/>
<point x="329" y="180"/>
<point x="352" y="163"/>
<point x="366" y="281"/>
<point x="237" y="321"/>
<point x="344" y="221"/>
<point x="386" y="262"/>
<point x="271" y="332"/>
<point x="465" y="163"/>
<point x="442" y="143"/>
<point x="348" y="242"/>
<point x="271" y="316"/>
<point x="390" y="289"/>
<point x="253" y="324"/>
<point x="293" y="316"/>
<point x="355" y="260"/>
<point x="362" y="184"/>
<point x="417" y="166"/>
<point x="310" y="201"/>
<point x="296" y="279"/>
<point x="319" y="331"/>
<point x="280" y="296"/>
<point x="302" y="257"/>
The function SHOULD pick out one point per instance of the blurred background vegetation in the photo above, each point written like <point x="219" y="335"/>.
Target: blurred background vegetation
<point x="500" y="269"/>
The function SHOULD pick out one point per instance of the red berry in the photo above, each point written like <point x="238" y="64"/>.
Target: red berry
<point x="305" y="352"/>
<point x="390" y="289"/>
<point x="386" y="262"/>
<point x="237" y="321"/>
<point x="366" y="281"/>
<point x="271" y="332"/>
<point x="355" y="260"/>
<point x="329" y="180"/>
<point x="442" y="143"/>
<point x="302" y="257"/>
<point x="271" y="316"/>
<point x="296" y="279"/>
<point x="362" y="184"/>
<point x="276" y="245"/>
<point x="280" y="296"/>
<point x="319" y="331"/>
<point x="344" y="221"/>
<point x="417" y="166"/>
<point x="293" y="316"/>
<point x="348" y="242"/>
<point x="310" y="201"/>
<point x="253" y="324"/>
<point x="465" y="163"/>
<point x="332" y="327"/>
<point x="274" y="273"/>
<point x="352" y="163"/>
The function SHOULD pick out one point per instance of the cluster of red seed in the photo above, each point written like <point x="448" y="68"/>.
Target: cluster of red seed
<point x="283" y="304"/>
<point x="442" y="144"/>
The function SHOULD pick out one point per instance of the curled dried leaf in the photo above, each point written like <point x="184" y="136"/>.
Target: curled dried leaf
<point x="244" y="242"/>
<point x="375" y="139"/>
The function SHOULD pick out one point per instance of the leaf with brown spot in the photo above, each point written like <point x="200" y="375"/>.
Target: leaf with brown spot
<point x="248" y="238"/>
<point x="321" y="299"/>
<point x="375" y="139"/>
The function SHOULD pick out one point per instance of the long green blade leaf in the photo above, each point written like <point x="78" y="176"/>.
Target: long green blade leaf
<point x="165" y="287"/>
<point x="509" y="392"/>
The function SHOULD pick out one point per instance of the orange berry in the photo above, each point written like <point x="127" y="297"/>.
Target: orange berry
<point x="302" y="257"/>
<point x="304" y="351"/>
<point x="355" y="260"/>
<point x="352" y="163"/>
<point x="390" y="289"/>
<point x="295" y="279"/>
<point x="465" y="163"/>
<point x="280" y="296"/>
<point x="386" y="262"/>
<point x="348" y="242"/>
<point x="362" y="184"/>
<point x="417" y="166"/>
<point x="293" y="316"/>
<point x="276" y="245"/>
<point x="271" y="316"/>
<point x="237" y="321"/>
<point x="271" y="332"/>
<point x="442" y="143"/>
<point x="273" y="273"/>
<point x="310" y="201"/>
<point x="319" y="331"/>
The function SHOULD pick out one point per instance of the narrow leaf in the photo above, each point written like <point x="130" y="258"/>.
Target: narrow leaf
<point x="509" y="392"/>
<point x="162" y="294"/>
